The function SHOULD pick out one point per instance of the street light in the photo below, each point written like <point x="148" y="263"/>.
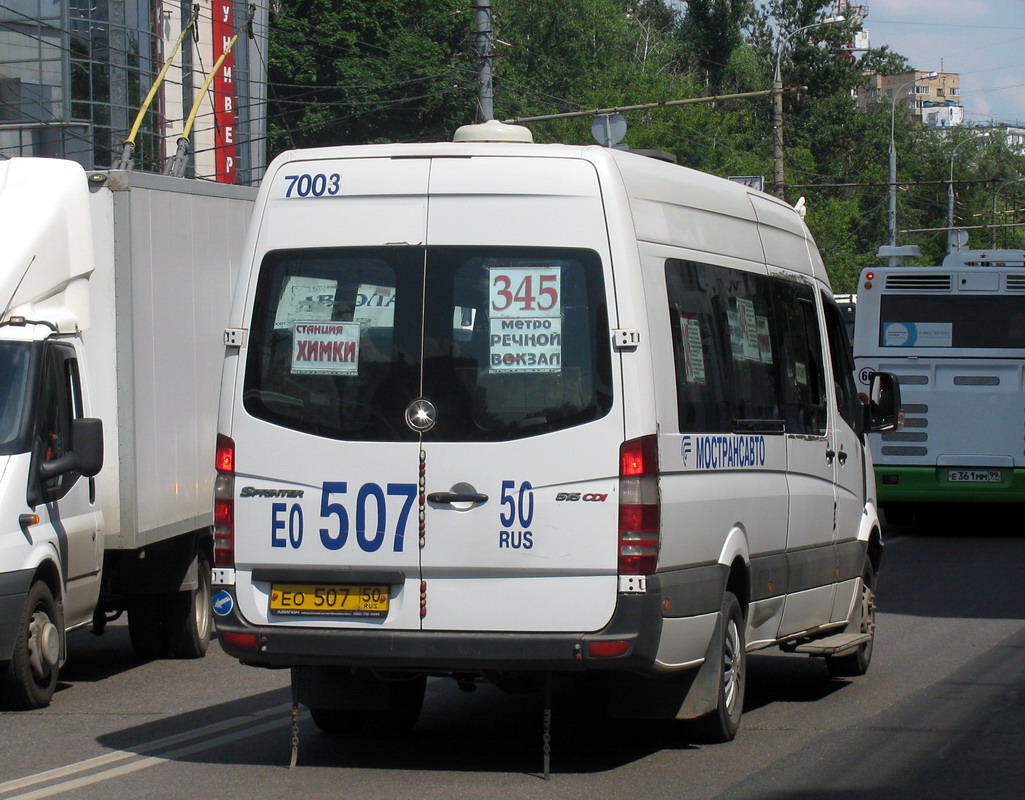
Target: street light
<point x="950" y="188"/>
<point x="891" y="215"/>
<point x="777" y="104"/>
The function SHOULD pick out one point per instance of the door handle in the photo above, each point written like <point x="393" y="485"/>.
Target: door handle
<point x="456" y="497"/>
<point x="842" y="455"/>
<point x="830" y="455"/>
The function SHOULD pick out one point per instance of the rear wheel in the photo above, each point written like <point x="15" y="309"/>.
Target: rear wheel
<point x="30" y="678"/>
<point x="722" y="724"/>
<point x="189" y="618"/>
<point x="856" y="663"/>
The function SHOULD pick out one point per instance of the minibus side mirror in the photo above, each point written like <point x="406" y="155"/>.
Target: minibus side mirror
<point x="86" y="454"/>
<point x="883" y="412"/>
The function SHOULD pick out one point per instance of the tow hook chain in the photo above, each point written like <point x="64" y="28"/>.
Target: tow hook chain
<point x="295" y="722"/>
<point x="546" y="737"/>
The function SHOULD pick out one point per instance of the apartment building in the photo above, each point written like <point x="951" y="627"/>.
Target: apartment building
<point x="936" y="101"/>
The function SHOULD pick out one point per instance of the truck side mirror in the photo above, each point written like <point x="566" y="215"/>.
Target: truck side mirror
<point x="86" y="454"/>
<point x="884" y="412"/>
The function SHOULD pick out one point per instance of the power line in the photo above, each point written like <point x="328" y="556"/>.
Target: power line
<point x="876" y="184"/>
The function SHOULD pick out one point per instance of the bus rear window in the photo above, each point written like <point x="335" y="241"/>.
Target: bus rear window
<point x="504" y="342"/>
<point x="958" y="321"/>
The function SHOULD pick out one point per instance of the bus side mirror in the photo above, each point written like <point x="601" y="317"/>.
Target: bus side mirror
<point x="884" y="412"/>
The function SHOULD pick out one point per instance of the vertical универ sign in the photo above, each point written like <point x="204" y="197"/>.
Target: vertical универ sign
<point x="224" y="94"/>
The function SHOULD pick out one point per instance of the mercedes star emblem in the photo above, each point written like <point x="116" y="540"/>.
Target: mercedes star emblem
<point x="421" y="415"/>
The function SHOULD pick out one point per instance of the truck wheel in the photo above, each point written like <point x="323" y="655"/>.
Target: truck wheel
<point x="31" y="675"/>
<point x="404" y="705"/>
<point x="189" y="617"/>
<point x="864" y="621"/>
<point x="722" y="724"/>
<point x="146" y="627"/>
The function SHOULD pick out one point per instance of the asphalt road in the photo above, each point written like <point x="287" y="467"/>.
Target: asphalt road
<point x="940" y="714"/>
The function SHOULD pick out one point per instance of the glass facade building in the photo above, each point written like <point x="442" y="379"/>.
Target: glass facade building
<point x="75" y="73"/>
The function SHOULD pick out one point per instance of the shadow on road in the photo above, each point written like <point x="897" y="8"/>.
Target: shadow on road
<point x="485" y="731"/>
<point x="92" y="658"/>
<point x="998" y="520"/>
<point x="773" y="677"/>
<point x="968" y="566"/>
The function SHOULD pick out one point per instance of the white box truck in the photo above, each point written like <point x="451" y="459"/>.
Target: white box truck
<point x="115" y="288"/>
<point x="494" y="410"/>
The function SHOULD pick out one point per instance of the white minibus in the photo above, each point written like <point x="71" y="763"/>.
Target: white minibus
<point x="494" y="410"/>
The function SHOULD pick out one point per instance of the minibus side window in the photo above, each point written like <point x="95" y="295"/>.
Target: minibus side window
<point x="840" y="358"/>
<point x="803" y="367"/>
<point x="726" y="349"/>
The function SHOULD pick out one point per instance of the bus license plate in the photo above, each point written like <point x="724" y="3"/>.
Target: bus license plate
<point x="329" y="599"/>
<point x="974" y="476"/>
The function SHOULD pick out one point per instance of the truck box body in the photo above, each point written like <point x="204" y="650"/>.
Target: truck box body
<point x="171" y="249"/>
<point x="115" y="289"/>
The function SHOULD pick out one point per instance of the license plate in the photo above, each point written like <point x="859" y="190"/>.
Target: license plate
<point x="329" y="599"/>
<point x="974" y="476"/>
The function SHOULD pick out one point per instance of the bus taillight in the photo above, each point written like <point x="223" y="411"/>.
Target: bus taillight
<point x="639" y="512"/>
<point x="224" y="504"/>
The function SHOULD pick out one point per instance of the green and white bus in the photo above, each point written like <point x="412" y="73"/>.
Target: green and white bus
<point x="955" y="337"/>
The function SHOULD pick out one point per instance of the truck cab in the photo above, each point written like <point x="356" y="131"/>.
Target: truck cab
<point x="53" y="554"/>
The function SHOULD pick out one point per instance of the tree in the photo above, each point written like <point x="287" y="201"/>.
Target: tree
<point x="884" y="61"/>
<point x="584" y="54"/>
<point x="711" y="32"/>
<point x="344" y="71"/>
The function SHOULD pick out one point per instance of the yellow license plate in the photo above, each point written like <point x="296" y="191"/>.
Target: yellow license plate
<point x="337" y="600"/>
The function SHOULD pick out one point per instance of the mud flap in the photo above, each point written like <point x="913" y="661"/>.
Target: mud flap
<point x="681" y="696"/>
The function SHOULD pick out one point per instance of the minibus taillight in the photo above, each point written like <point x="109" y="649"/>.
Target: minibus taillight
<point x="224" y="503"/>
<point x="638" y="506"/>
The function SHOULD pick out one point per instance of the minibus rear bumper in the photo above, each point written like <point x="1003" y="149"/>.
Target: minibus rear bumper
<point x="629" y="642"/>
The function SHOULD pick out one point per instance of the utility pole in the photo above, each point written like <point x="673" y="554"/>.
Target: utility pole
<point x="485" y="54"/>
<point x="777" y="137"/>
<point x="777" y="104"/>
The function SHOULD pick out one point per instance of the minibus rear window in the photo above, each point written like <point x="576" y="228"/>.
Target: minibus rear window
<point x="505" y="342"/>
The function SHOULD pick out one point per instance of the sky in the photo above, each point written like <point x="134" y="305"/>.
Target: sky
<point x="983" y="40"/>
